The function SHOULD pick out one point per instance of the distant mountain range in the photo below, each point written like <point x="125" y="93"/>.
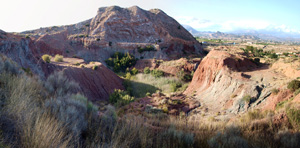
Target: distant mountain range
<point x="269" y="34"/>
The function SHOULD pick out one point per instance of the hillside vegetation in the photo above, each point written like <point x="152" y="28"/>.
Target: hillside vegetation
<point x="36" y="113"/>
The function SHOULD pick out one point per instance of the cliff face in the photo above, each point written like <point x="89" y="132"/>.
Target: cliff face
<point x="221" y="83"/>
<point x="21" y="50"/>
<point x="118" y="29"/>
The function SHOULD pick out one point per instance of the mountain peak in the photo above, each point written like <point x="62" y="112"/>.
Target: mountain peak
<point x="135" y="8"/>
<point x="111" y="8"/>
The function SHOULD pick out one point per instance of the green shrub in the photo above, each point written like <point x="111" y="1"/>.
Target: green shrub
<point x="281" y="104"/>
<point x="247" y="98"/>
<point x="95" y="67"/>
<point x="90" y="106"/>
<point x="120" y="62"/>
<point x="175" y="86"/>
<point x="148" y="94"/>
<point x="70" y="111"/>
<point x="293" y="115"/>
<point x="147" y="48"/>
<point x="81" y="35"/>
<point x="187" y="77"/>
<point x="134" y="71"/>
<point x="109" y="118"/>
<point x="157" y="73"/>
<point x="258" y="53"/>
<point x="183" y="87"/>
<point x="297" y="92"/>
<point x="275" y="91"/>
<point x="180" y="74"/>
<point x="286" y="54"/>
<point x="273" y="56"/>
<point x="59" y="85"/>
<point x="46" y="58"/>
<point x="58" y="58"/>
<point x="9" y="66"/>
<point x="165" y="108"/>
<point x="128" y="75"/>
<point x="184" y="76"/>
<point x="120" y="98"/>
<point x="147" y="70"/>
<point x="294" y="85"/>
<point x="256" y="60"/>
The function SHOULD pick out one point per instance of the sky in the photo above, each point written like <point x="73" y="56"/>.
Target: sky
<point x="203" y="15"/>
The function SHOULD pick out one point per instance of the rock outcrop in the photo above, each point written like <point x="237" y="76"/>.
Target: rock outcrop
<point x="21" y="50"/>
<point x="118" y="29"/>
<point x="221" y="82"/>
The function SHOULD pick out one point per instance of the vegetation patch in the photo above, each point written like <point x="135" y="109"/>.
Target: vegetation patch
<point x="95" y="67"/>
<point x="58" y="58"/>
<point x="294" y="85"/>
<point x="147" y="70"/>
<point x="275" y="91"/>
<point x="157" y="73"/>
<point x="254" y="52"/>
<point x="141" y="84"/>
<point x="297" y="92"/>
<point x="46" y="58"/>
<point x="294" y="116"/>
<point x="175" y="86"/>
<point x="120" y="62"/>
<point x="120" y="98"/>
<point x="184" y="76"/>
<point x="134" y="71"/>
<point x="147" y="48"/>
<point x="90" y="106"/>
<point x="281" y="104"/>
<point x="247" y="98"/>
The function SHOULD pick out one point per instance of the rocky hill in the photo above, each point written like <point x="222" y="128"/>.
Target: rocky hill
<point x="145" y="34"/>
<point x="118" y="29"/>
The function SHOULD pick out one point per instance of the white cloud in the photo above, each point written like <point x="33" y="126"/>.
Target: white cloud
<point x="195" y="22"/>
<point x="231" y="25"/>
<point x="285" y="28"/>
<point x="244" y="24"/>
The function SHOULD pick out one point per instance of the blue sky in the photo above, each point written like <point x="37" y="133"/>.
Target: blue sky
<point x="204" y="15"/>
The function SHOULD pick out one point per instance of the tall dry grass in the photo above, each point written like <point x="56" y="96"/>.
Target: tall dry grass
<point x="44" y="131"/>
<point x="26" y="121"/>
<point x="34" y="127"/>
